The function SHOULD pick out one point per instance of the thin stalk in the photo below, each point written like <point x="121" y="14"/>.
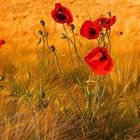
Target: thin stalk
<point x="108" y="37"/>
<point x="38" y="54"/>
<point x="66" y="87"/>
<point x="78" y="59"/>
<point x="74" y="45"/>
<point x="42" y="67"/>
<point x="98" y="91"/>
<point x="99" y="42"/>
<point x="89" y="99"/>
<point x="47" y="43"/>
<point x="88" y="105"/>
<point x="69" y="46"/>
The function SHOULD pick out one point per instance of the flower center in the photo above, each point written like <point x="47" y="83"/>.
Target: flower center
<point x="60" y="10"/>
<point x="104" y="56"/>
<point x="61" y="17"/>
<point x="92" y="31"/>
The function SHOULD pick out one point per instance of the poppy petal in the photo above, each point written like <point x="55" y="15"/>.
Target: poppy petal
<point x="100" y="61"/>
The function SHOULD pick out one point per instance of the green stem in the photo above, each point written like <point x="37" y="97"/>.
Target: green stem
<point x="78" y="57"/>
<point x="99" y="89"/>
<point x="42" y="67"/>
<point x="47" y="43"/>
<point x="108" y="36"/>
<point x="88" y="105"/>
<point x="66" y="87"/>
<point x="38" y="54"/>
<point x="69" y="46"/>
<point x="78" y="60"/>
<point x="99" y="43"/>
<point x="74" y="45"/>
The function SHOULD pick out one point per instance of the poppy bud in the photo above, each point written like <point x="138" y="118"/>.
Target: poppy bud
<point x="52" y="48"/>
<point x="40" y="32"/>
<point x="63" y="36"/>
<point x="72" y="27"/>
<point x="29" y="75"/>
<point x="109" y="14"/>
<point x="1" y="88"/>
<point x="46" y="34"/>
<point x="42" y="22"/>
<point x="39" y="41"/>
<point x="2" y="78"/>
<point x="64" y="110"/>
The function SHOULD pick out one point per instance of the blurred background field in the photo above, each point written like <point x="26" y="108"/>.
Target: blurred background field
<point x="19" y="118"/>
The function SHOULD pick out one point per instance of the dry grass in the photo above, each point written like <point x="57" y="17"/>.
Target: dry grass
<point x="21" y="115"/>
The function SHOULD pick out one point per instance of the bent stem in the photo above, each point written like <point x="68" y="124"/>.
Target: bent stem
<point x="67" y="89"/>
<point x="69" y="46"/>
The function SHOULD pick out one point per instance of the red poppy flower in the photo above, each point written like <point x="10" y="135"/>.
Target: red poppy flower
<point x="100" y="61"/>
<point x="90" y="29"/>
<point x="1" y="43"/>
<point x="107" y="22"/>
<point x="61" y="14"/>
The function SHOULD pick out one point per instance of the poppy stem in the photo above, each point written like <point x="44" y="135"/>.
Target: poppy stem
<point x="42" y="67"/>
<point x="67" y="89"/>
<point x="78" y="60"/>
<point x="88" y="96"/>
<point x="78" y="57"/>
<point x="99" y="43"/>
<point x="47" y="43"/>
<point x="108" y="36"/>
<point x="69" y="46"/>
<point x="99" y="90"/>
<point x="76" y="51"/>
<point x="38" y="54"/>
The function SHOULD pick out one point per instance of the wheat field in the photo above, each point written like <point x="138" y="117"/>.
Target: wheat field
<point x="21" y="115"/>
